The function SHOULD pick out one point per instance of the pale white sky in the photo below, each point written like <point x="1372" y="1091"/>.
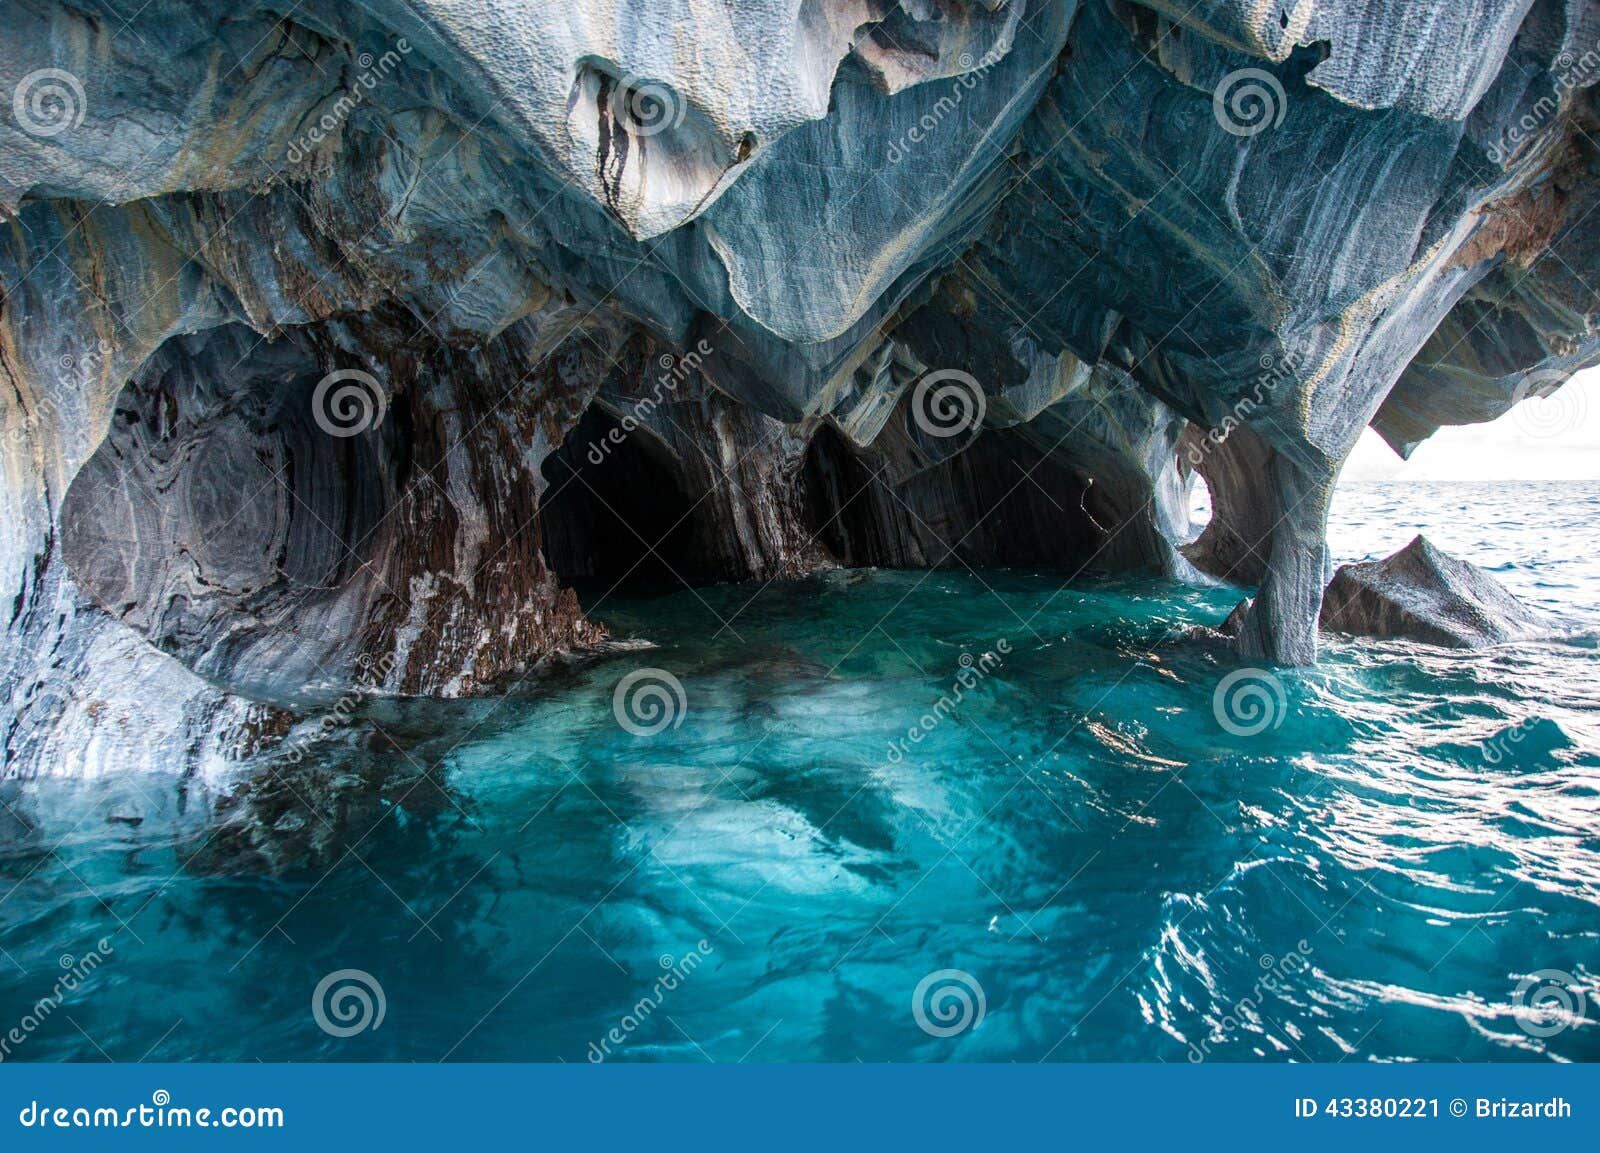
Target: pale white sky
<point x="1553" y="439"/>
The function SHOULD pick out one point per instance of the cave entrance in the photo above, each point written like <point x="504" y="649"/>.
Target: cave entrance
<point x="1000" y="501"/>
<point x="833" y="478"/>
<point x="616" y="511"/>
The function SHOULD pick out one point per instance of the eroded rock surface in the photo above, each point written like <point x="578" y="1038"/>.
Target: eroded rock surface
<point x="1426" y="595"/>
<point x="311" y="315"/>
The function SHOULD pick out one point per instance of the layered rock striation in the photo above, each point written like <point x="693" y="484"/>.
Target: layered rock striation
<point x="339" y="342"/>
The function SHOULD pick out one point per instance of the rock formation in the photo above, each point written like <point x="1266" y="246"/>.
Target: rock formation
<point x="1427" y="595"/>
<point x="330" y="331"/>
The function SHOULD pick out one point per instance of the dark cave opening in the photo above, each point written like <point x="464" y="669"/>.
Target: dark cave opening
<point x="616" y="513"/>
<point x="834" y="479"/>
<point x="998" y="502"/>
<point x="651" y="510"/>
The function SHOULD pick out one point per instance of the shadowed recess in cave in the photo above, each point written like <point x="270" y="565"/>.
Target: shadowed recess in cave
<point x="998" y="502"/>
<point x="217" y="519"/>
<point x="615" y="513"/>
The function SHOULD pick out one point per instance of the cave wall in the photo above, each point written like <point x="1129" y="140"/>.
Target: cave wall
<point x="282" y="538"/>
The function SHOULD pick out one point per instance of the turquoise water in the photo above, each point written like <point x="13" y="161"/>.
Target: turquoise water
<point x="1076" y="860"/>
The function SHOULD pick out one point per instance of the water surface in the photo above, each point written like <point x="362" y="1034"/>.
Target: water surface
<point x="1078" y="844"/>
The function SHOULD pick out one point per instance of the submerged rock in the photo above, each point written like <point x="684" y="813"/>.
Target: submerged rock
<point x="1426" y="595"/>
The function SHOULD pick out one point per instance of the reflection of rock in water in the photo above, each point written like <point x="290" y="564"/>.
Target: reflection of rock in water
<point x="14" y="829"/>
<point x="768" y="665"/>
<point x="291" y="816"/>
<point x="323" y="787"/>
<point x="359" y="857"/>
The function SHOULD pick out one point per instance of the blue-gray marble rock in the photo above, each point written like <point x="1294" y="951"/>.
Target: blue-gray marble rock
<point x="326" y="328"/>
<point x="1423" y="594"/>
